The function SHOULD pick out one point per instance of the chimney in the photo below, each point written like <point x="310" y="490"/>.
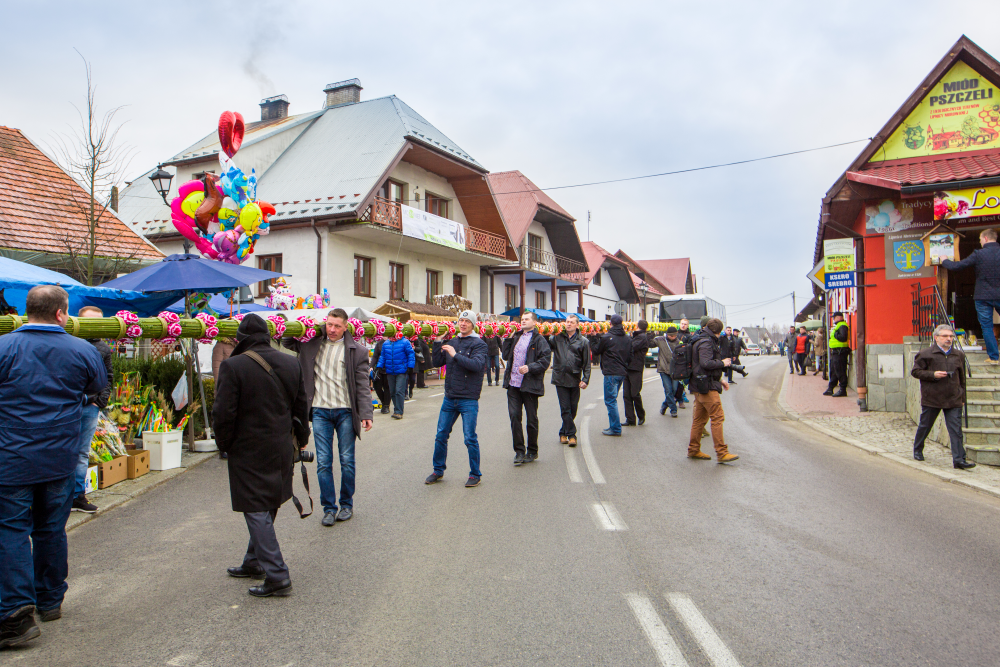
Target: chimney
<point x="343" y="92"/>
<point x="274" y="107"/>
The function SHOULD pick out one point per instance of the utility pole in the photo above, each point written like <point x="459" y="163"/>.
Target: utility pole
<point x="794" y="312"/>
<point x="588" y="225"/>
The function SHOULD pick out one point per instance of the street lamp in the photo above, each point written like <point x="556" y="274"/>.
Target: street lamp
<point x="643" y="289"/>
<point x="161" y="181"/>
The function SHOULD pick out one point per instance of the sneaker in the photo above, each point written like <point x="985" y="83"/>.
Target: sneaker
<point x="673" y="414"/>
<point x="608" y="431"/>
<point x="563" y="440"/>
<point x="80" y="504"/>
<point x="396" y="415"/>
<point x="19" y="627"/>
<point x="828" y="392"/>
<point x="473" y="481"/>
<point x="530" y="458"/>
<point x="518" y="459"/>
<point x="993" y="362"/>
<point x="663" y="410"/>
<point x="433" y="477"/>
<point x="726" y="458"/>
<point x="385" y="411"/>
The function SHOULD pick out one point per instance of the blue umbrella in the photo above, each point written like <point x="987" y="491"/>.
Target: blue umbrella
<point x="190" y="273"/>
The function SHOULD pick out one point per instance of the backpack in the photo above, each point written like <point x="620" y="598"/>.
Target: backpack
<point x="680" y="365"/>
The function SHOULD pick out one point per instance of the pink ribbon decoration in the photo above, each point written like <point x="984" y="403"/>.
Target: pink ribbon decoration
<point x="131" y="320"/>
<point x="398" y="326"/>
<point x="172" y="323"/>
<point x="279" y="326"/>
<point x="359" y="329"/>
<point x="310" y="329"/>
<point x="379" y="329"/>
<point x="417" y="328"/>
<point x="211" y="331"/>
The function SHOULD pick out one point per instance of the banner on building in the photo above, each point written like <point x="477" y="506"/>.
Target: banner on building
<point x="960" y="113"/>
<point x="980" y="203"/>
<point x="905" y="256"/>
<point x="429" y="227"/>
<point x="838" y="255"/>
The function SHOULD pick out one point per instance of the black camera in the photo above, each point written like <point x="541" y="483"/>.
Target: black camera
<point x="303" y="455"/>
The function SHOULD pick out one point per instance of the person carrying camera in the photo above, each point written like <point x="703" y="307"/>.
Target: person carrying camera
<point x="260" y="418"/>
<point x="707" y="385"/>
<point x="941" y="371"/>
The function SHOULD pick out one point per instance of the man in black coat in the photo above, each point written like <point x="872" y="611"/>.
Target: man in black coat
<point x="493" y="360"/>
<point x="736" y="346"/>
<point x="260" y="416"/>
<point x="632" y="387"/>
<point x="615" y="349"/>
<point x="570" y="374"/>
<point x="380" y="379"/>
<point x="987" y="292"/>
<point x="528" y="355"/>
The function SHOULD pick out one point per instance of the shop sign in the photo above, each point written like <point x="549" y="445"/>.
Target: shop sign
<point x="838" y="255"/>
<point x="961" y="113"/>
<point x="839" y="279"/>
<point x="429" y="227"/>
<point x="981" y="203"/>
<point x="905" y="256"/>
<point x="882" y="217"/>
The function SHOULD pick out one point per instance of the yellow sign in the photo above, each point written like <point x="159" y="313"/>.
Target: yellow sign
<point x="961" y="113"/>
<point x="968" y="203"/>
<point x="838" y="255"/>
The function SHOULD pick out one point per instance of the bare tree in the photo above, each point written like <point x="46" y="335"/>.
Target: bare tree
<point x="93" y="157"/>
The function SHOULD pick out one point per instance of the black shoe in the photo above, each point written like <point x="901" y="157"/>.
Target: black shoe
<point x="732" y="382"/>
<point x="329" y="518"/>
<point x="918" y="456"/>
<point x="964" y="465"/>
<point x="663" y="410"/>
<point x="840" y="394"/>
<point x="433" y="477"/>
<point x="629" y="423"/>
<point x="243" y="572"/>
<point x="19" y="627"/>
<point x="642" y="421"/>
<point x="50" y="614"/>
<point x="531" y="458"/>
<point x="608" y="431"/>
<point x="80" y="504"/>
<point x="472" y="481"/>
<point x="828" y="392"/>
<point x="345" y="514"/>
<point x="269" y="588"/>
<point x="518" y="459"/>
<point x="384" y="411"/>
<point x="744" y="373"/>
<point x="223" y="455"/>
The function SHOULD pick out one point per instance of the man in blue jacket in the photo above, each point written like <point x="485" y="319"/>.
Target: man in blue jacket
<point x="45" y="374"/>
<point x="396" y="360"/>
<point x="465" y="358"/>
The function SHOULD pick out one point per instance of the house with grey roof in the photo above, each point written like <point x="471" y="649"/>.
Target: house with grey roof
<point x="341" y="179"/>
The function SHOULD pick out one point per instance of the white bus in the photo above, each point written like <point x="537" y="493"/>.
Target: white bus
<point x="691" y="307"/>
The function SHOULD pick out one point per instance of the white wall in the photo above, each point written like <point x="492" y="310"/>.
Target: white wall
<point x="601" y="298"/>
<point x="418" y="180"/>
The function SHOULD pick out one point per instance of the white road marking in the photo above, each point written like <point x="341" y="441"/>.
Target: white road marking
<point x="588" y="453"/>
<point x="655" y="377"/>
<point x="571" y="465"/>
<point x="441" y="394"/>
<point x="699" y="627"/>
<point x="606" y="516"/>
<point x="659" y="637"/>
<point x="590" y="406"/>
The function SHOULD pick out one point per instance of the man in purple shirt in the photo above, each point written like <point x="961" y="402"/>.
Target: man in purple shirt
<point x="527" y="355"/>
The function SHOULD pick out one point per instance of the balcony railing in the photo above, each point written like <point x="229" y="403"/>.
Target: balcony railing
<point x="387" y="213"/>
<point x="542" y="261"/>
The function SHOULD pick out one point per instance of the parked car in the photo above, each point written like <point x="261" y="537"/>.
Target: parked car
<point x="753" y="348"/>
<point x="652" y="356"/>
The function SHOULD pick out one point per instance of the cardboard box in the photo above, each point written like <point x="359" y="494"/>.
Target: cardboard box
<point x="138" y="463"/>
<point x="90" y="481"/>
<point x="111" y="472"/>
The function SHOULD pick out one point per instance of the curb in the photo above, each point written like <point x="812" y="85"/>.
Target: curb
<point x="876" y="451"/>
<point x="121" y="499"/>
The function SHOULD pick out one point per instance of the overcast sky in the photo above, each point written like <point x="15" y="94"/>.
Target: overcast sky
<point x="567" y="92"/>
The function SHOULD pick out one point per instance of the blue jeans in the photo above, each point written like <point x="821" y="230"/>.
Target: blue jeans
<point x="984" y="311"/>
<point x="612" y="384"/>
<point x="87" y="428"/>
<point x="451" y="408"/>
<point x="325" y="421"/>
<point x="669" y="392"/>
<point x="397" y="389"/>
<point x="33" y="544"/>
<point x="493" y="364"/>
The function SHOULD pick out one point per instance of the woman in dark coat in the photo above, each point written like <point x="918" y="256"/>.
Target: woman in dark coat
<point x="255" y="414"/>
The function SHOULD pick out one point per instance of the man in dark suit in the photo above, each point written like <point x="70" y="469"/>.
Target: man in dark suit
<point x="528" y="355"/>
<point x="259" y="402"/>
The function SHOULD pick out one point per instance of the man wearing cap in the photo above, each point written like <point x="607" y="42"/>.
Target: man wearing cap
<point x="840" y="350"/>
<point x="528" y="355"/>
<point x="615" y="348"/>
<point x="664" y="366"/>
<point x="465" y="359"/>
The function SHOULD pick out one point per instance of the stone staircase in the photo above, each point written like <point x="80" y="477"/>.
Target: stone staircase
<point x="983" y="395"/>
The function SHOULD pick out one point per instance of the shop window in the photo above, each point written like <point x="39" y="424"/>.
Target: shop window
<point x="433" y="285"/>
<point x="267" y="263"/>
<point x="458" y="284"/>
<point x="540" y="299"/>
<point x="397" y="281"/>
<point x="509" y="297"/>
<point x="362" y="276"/>
<point x="436" y="205"/>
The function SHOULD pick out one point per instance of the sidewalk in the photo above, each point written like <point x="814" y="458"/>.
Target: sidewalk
<point x="886" y="434"/>
<point x="126" y="490"/>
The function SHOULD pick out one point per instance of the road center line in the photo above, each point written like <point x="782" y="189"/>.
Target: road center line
<point x="606" y="516"/>
<point x="699" y="627"/>
<point x="659" y="637"/>
<point x="655" y="377"/>
<point x="433" y="395"/>
<point x="571" y="465"/>
<point x="588" y="453"/>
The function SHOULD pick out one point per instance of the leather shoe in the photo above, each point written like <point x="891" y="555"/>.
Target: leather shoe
<point x="572" y="441"/>
<point x="563" y="440"/>
<point x="19" y="627"/>
<point x="518" y="459"/>
<point x="47" y="615"/>
<point x="840" y="394"/>
<point x="917" y="456"/>
<point x="328" y="519"/>
<point x="828" y="392"/>
<point x="642" y="421"/>
<point x="608" y="431"/>
<point x="243" y="572"/>
<point x="629" y="423"/>
<point x="345" y="514"/>
<point x="269" y="588"/>
<point x="964" y="465"/>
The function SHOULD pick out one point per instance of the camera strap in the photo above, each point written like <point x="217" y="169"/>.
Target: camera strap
<point x="283" y="391"/>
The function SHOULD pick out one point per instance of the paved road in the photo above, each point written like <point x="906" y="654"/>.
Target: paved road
<point x="804" y="552"/>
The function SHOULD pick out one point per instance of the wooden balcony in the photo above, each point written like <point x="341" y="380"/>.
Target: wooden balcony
<point x="542" y="261"/>
<point x="387" y="214"/>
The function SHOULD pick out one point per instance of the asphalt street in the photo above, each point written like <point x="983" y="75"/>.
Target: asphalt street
<point x="619" y="552"/>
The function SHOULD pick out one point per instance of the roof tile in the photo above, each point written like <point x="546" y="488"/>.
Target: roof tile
<point x="937" y="170"/>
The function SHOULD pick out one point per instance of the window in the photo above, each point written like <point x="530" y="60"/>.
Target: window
<point x="433" y="285"/>
<point x="392" y="191"/>
<point x="597" y="277"/>
<point x="509" y="297"/>
<point x="201" y="174"/>
<point x="436" y="205"/>
<point x="591" y="314"/>
<point x="362" y="276"/>
<point x="458" y="284"/>
<point x="539" y="299"/>
<point x="535" y="248"/>
<point x="563" y="301"/>
<point x="397" y="281"/>
<point x="267" y="263"/>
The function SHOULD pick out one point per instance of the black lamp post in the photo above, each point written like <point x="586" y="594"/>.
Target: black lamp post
<point x="643" y="289"/>
<point x="161" y="181"/>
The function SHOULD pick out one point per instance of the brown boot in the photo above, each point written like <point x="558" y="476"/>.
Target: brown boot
<point x="699" y="455"/>
<point x="572" y="441"/>
<point x="563" y="439"/>
<point x="726" y="458"/>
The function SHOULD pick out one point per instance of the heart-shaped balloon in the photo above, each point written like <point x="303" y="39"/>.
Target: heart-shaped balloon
<point x="231" y="130"/>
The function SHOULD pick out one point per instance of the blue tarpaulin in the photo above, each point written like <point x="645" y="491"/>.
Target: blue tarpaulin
<point x="543" y="314"/>
<point x="191" y="273"/>
<point x="220" y="304"/>
<point x="16" y="278"/>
